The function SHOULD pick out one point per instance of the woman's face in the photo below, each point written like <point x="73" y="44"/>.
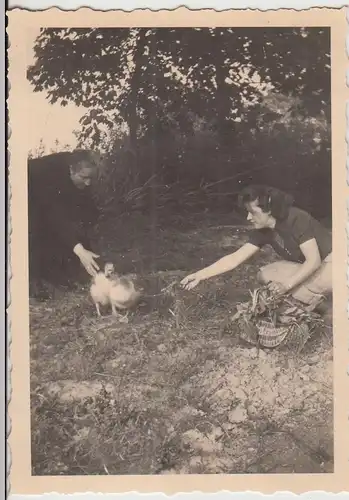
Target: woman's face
<point x="256" y="215"/>
<point x="83" y="176"/>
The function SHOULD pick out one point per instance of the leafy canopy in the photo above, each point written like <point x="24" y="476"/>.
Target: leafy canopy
<point x="166" y="78"/>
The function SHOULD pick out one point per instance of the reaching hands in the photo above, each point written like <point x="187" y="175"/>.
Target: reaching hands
<point x="87" y="259"/>
<point x="191" y="281"/>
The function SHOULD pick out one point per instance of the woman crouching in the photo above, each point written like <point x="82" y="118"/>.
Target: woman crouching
<point x="303" y="244"/>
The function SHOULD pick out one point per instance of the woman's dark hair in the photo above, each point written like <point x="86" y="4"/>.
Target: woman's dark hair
<point x="270" y="199"/>
<point x="79" y="155"/>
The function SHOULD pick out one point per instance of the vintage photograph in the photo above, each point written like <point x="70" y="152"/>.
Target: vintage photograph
<point x="180" y="250"/>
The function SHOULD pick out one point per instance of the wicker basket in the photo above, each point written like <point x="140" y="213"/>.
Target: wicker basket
<point x="248" y="331"/>
<point x="271" y="335"/>
<point x="271" y="324"/>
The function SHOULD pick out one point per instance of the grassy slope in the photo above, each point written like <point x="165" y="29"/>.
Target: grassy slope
<point x="171" y="392"/>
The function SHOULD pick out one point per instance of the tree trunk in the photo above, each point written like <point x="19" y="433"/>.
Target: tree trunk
<point x="132" y="118"/>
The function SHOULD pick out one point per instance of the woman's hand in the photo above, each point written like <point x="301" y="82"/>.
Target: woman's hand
<point x="277" y="288"/>
<point x="87" y="259"/>
<point x="191" y="281"/>
<point x="227" y="263"/>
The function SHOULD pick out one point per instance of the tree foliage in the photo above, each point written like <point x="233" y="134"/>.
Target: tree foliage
<point x="195" y="105"/>
<point x="151" y="78"/>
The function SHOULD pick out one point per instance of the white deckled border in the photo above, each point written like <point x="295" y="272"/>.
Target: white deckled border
<point x="218" y="5"/>
<point x="173" y="4"/>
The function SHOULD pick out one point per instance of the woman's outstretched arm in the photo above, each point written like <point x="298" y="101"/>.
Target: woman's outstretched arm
<point x="223" y="265"/>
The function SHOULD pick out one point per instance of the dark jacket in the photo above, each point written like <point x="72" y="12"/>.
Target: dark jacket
<point x="58" y="210"/>
<point x="60" y="216"/>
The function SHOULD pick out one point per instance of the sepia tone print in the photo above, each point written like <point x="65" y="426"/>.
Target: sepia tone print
<point x="180" y="186"/>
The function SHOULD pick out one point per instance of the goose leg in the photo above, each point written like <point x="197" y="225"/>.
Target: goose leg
<point x="98" y="310"/>
<point x="122" y="319"/>
<point x="114" y="311"/>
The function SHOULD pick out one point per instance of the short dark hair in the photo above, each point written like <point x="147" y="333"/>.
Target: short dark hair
<point x="79" y="155"/>
<point x="269" y="199"/>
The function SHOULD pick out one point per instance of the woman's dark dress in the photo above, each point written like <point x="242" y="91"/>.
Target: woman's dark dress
<point x="59" y="216"/>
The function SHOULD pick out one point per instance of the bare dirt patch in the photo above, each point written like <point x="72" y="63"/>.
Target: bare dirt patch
<point x="172" y="391"/>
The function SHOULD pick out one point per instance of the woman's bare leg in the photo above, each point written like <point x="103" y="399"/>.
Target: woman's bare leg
<point x="312" y="291"/>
